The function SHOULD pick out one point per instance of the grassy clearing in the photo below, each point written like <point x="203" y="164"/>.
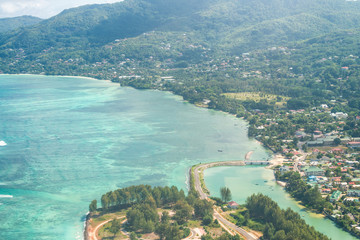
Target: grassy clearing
<point x="104" y="233"/>
<point x="98" y="219"/>
<point x="258" y="96"/>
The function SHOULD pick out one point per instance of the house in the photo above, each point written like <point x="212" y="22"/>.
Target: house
<point x="317" y="133"/>
<point x="353" y="193"/>
<point x="300" y="134"/>
<point x="326" y="190"/>
<point x="356" y="180"/>
<point x="324" y="106"/>
<point x="284" y="169"/>
<point x="312" y="178"/>
<point x="233" y="205"/>
<point x="315" y="143"/>
<point x="313" y="171"/>
<point x="337" y="150"/>
<point x="339" y="115"/>
<point x="344" y="186"/>
<point x="353" y="144"/>
<point x="335" y="196"/>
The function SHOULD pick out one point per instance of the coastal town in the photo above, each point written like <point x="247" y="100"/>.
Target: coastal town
<point x="326" y="158"/>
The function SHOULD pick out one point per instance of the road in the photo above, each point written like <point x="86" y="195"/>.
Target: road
<point x="202" y="195"/>
<point x="204" y="166"/>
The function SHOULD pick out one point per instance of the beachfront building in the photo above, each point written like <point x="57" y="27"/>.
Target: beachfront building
<point x="335" y="196"/>
<point x="233" y="205"/>
<point x="313" y="171"/>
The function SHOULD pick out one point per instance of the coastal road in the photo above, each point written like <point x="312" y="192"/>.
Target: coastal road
<point x="233" y="227"/>
<point x="197" y="184"/>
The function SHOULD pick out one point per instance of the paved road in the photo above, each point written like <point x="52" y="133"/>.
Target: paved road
<point x="217" y="215"/>
<point x="233" y="227"/>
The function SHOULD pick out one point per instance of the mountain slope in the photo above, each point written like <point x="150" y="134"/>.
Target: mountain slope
<point x="232" y="23"/>
<point x="9" y="24"/>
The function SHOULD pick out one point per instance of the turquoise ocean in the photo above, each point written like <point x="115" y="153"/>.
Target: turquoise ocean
<point x="65" y="141"/>
<point x="69" y="140"/>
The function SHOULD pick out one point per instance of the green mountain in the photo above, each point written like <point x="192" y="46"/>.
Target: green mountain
<point x="234" y="24"/>
<point x="9" y="24"/>
<point x="207" y="48"/>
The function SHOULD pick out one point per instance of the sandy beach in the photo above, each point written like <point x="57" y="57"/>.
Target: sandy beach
<point x="277" y="159"/>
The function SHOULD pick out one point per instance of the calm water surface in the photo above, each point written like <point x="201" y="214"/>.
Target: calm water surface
<point x="69" y="140"/>
<point x="244" y="181"/>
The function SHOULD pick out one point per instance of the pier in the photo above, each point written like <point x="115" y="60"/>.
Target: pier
<point x="257" y="162"/>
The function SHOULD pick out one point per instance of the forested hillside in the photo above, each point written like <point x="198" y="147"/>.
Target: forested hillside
<point x="233" y="24"/>
<point x="256" y="59"/>
<point x="8" y="24"/>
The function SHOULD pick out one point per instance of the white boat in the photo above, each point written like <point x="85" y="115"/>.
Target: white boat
<point x="2" y="143"/>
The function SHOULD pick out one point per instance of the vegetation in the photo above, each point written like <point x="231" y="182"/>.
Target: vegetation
<point x="279" y="224"/>
<point x="143" y="205"/>
<point x="300" y="190"/>
<point x="256" y="59"/>
<point x="225" y="194"/>
<point x="8" y="24"/>
<point x="284" y="66"/>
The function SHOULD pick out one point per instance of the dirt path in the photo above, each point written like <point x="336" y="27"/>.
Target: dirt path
<point x="93" y="234"/>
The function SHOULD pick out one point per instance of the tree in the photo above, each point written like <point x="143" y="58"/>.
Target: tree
<point x="225" y="194"/>
<point x="133" y="236"/>
<point x="93" y="206"/>
<point x="165" y="217"/>
<point x="104" y="201"/>
<point x="337" y="141"/>
<point x="203" y="208"/>
<point x="183" y="212"/>
<point x="173" y="233"/>
<point x="161" y="230"/>
<point x="115" y="226"/>
<point x="207" y="220"/>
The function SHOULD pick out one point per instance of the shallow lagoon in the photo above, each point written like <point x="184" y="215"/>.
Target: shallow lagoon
<point x="69" y="140"/>
<point x="244" y="181"/>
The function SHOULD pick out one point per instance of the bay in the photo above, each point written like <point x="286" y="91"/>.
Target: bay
<point x="68" y="140"/>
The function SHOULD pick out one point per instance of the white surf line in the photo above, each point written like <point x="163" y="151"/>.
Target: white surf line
<point x="6" y="196"/>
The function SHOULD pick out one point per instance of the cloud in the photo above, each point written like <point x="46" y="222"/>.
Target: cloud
<point x="41" y="8"/>
<point x="10" y="7"/>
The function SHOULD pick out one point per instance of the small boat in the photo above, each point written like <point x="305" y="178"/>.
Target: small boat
<point x="220" y="150"/>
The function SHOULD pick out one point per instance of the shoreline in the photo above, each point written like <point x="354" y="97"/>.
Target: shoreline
<point x="248" y="155"/>
<point x="275" y="159"/>
<point x="63" y="76"/>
